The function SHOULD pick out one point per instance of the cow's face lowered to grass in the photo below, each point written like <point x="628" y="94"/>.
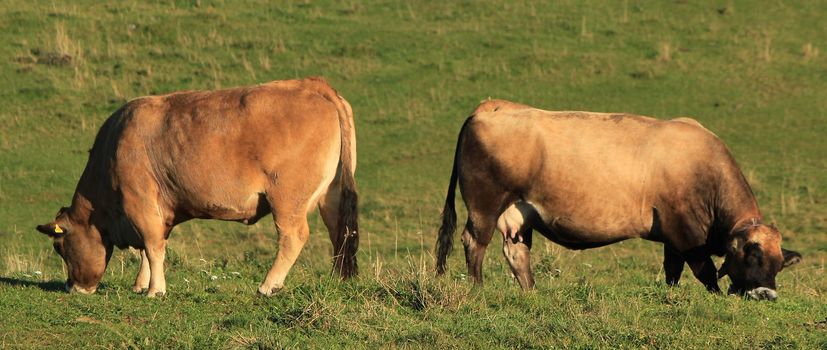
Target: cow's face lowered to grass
<point x="83" y="250"/>
<point x="284" y="148"/>
<point x="586" y="180"/>
<point x="754" y="258"/>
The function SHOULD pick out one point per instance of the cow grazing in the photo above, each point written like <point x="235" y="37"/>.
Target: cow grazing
<point x="284" y="147"/>
<point x="586" y="180"/>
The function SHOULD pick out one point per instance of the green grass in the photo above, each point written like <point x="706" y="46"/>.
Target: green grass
<point x="754" y="73"/>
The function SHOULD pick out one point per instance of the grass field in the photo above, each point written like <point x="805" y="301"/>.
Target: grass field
<point x="754" y="73"/>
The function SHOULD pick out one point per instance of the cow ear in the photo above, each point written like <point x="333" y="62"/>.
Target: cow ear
<point x="52" y="230"/>
<point x="791" y="257"/>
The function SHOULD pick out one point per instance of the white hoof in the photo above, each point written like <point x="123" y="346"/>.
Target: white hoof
<point x="156" y="293"/>
<point x="269" y="291"/>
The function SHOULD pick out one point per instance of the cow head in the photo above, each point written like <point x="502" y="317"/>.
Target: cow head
<point x="83" y="251"/>
<point x="754" y="257"/>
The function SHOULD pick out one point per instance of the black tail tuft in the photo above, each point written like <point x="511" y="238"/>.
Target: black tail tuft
<point x="349" y="224"/>
<point x="445" y="237"/>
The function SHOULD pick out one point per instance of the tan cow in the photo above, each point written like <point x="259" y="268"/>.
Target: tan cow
<point x="284" y="147"/>
<point x="586" y="179"/>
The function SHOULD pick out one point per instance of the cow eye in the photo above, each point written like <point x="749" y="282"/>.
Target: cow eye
<point x="754" y="254"/>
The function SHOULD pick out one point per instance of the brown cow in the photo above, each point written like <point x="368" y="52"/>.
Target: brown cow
<point x="586" y="180"/>
<point x="284" y="147"/>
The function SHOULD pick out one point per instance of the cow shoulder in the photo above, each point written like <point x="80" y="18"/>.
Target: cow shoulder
<point x="685" y="128"/>
<point x="143" y="112"/>
<point x="692" y="152"/>
<point x="693" y="123"/>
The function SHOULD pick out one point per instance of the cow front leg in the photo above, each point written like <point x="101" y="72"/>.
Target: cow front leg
<point x="517" y="251"/>
<point x="142" y="280"/>
<point x="154" y="231"/>
<point x="704" y="270"/>
<point x="673" y="264"/>
<point x="156" y="253"/>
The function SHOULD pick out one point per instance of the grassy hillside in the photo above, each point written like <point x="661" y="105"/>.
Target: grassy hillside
<point x="754" y="73"/>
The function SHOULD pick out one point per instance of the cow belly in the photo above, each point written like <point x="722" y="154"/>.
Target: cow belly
<point x="576" y="229"/>
<point x="248" y="209"/>
<point x="574" y="235"/>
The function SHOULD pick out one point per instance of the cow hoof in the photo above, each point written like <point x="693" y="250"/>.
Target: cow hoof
<point x="269" y="292"/>
<point x="153" y="294"/>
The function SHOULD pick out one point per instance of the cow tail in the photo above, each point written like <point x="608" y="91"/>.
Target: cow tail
<point x="445" y="237"/>
<point x="348" y="204"/>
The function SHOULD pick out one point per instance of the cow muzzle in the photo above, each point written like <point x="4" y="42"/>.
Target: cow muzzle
<point x="76" y="289"/>
<point x="762" y="293"/>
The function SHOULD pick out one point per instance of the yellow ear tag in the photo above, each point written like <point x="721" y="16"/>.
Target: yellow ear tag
<point x="58" y="229"/>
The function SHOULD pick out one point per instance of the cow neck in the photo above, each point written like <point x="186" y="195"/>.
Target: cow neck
<point x="93" y="189"/>
<point x="81" y="210"/>
<point x="747" y="222"/>
<point x="737" y="205"/>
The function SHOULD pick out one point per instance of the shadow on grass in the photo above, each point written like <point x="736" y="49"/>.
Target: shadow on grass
<point x="51" y="286"/>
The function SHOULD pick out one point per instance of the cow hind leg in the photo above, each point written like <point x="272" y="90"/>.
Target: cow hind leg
<point x="475" y="245"/>
<point x="475" y="238"/>
<point x="673" y="264"/>
<point x="485" y="205"/>
<point x="291" y="223"/>
<point x="517" y="251"/>
<point x="142" y="280"/>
